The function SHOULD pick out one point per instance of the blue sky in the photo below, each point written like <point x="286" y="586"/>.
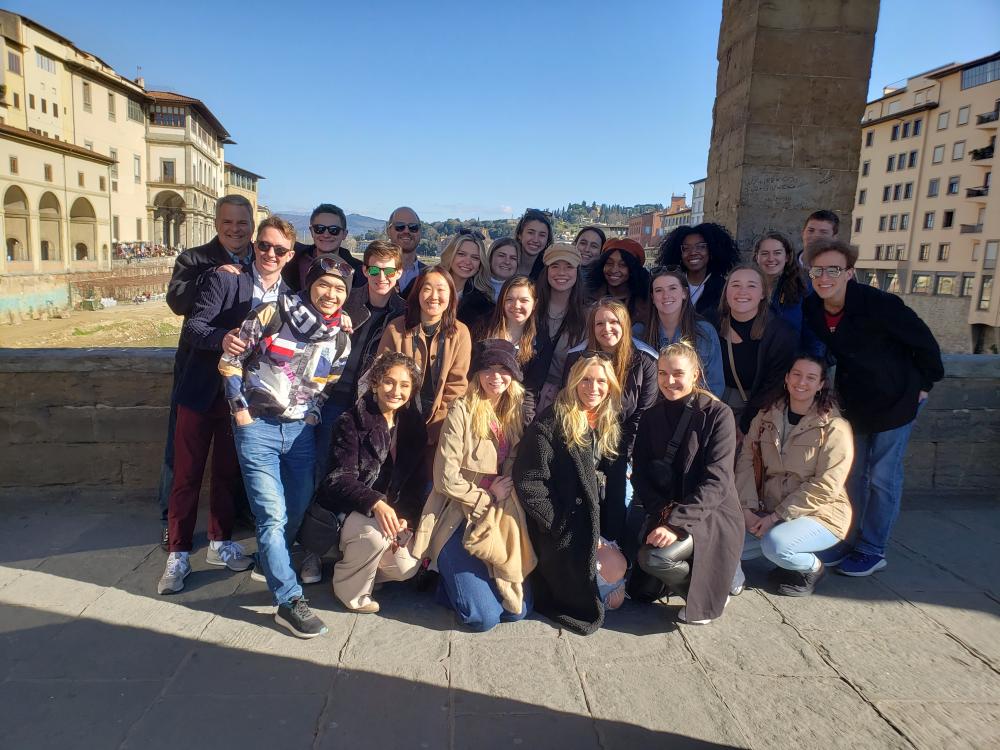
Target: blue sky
<point x="465" y="109"/>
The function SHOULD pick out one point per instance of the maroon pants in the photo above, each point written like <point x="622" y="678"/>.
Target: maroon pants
<point x="195" y="434"/>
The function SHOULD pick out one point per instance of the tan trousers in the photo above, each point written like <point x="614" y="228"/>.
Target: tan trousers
<point x="367" y="559"/>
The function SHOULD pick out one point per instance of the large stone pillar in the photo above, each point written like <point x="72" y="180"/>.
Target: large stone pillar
<point x="791" y="89"/>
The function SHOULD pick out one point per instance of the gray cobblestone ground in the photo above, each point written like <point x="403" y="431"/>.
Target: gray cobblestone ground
<point x="91" y="657"/>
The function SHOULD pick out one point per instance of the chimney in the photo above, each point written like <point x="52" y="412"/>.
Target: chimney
<point x="141" y="82"/>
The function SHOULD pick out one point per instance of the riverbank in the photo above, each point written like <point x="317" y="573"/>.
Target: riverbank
<point x="147" y="324"/>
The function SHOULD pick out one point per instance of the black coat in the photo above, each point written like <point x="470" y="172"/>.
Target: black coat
<point x="557" y="487"/>
<point x="223" y="303"/>
<point x="475" y="309"/>
<point x="293" y="273"/>
<point x="359" y="449"/>
<point x="707" y="305"/>
<point x="775" y="355"/>
<point x="708" y="508"/>
<point x="885" y="356"/>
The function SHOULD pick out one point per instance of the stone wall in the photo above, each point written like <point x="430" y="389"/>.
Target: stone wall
<point x="78" y="420"/>
<point x="947" y="317"/>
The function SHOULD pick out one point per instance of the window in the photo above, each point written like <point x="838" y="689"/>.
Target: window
<point x="55" y="112"/>
<point x="932" y="187"/>
<point x="14" y="62"/>
<point x="897" y="191"/>
<point x="878" y="252"/>
<point x="895" y="133"/>
<point x="912" y="161"/>
<point x="944" y="250"/>
<point x="945" y="285"/>
<point x="907" y="191"/>
<point x="990" y="258"/>
<point x="45" y="62"/>
<point x="958" y="150"/>
<point x="45" y="109"/>
<point x="138" y="230"/>
<point x="943" y="120"/>
<point x="31" y="101"/>
<point x="985" y="293"/>
<point x="948" y="220"/>
<point x="917" y="126"/>
<point x="134" y="110"/>
<point x="857" y="225"/>
<point x="114" y="229"/>
<point x="102" y="181"/>
<point x="929" y="220"/>
<point x="881" y="223"/>
<point x="921" y="283"/>
<point x="953" y="185"/>
<point x="886" y="193"/>
<point x="901" y="161"/>
<point x="900" y="252"/>
<point x="977" y="76"/>
<point x="968" y="279"/>
<point x="17" y="100"/>
<point x="80" y="181"/>
<point x="173" y="117"/>
<point x="13" y="165"/>
<point x="891" y="163"/>
<point x="904" y="222"/>
<point x="865" y="166"/>
<point x="137" y="168"/>
<point x="167" y="170"/>
<point x="963" y="115"/>
<point x="112" y="113"/>
<point x="47" y="172"/>
<point x="869" y="138"/>
<point x="862" y="195"/>
<point x="938" y="155"/>
<point x="925" y="251"/>
<point x="893" y="223"/>
<point x="906" y="130"/>
<point x="89" y="145"/>
<point x="87" y="104"/>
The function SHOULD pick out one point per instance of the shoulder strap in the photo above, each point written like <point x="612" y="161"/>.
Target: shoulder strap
<point x="732" y="366"/>
<point x="680" y="431"/>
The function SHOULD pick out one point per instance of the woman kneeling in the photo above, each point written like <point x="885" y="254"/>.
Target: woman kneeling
<point x="798" y="504"/>
<point x="472" y="530"/>
<point x="682" y="472"/>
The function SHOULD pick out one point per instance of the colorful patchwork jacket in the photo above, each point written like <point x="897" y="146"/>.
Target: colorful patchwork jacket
<point x="293" y="358"/>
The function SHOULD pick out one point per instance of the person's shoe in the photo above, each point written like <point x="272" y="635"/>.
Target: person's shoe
<point x="228" y="555"/>
<point x="739" y="582"/>
<point x="312" y="568"/>
<point x="174" y="574"/>
<point x="835" y="555"/>
<point x="370" y="607"/>
<point x="860" y="564"/>
<point x="165" y="539"/>
<point x="682" y="616"/>
<point x="299" y="620"/>
<point x="802" y="584"/>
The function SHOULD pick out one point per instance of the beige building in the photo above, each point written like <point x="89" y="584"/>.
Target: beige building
<point x="925" y="218"/>
<point x="243" y="182"/>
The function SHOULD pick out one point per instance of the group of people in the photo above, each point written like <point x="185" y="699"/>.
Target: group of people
<point x="129" y="251"/>
<point x="536" y="425"/>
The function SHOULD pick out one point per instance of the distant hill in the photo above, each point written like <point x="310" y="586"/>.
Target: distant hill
<point x="357" y="224"/>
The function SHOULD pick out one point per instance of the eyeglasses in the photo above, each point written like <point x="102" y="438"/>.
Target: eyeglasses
<point x="332" y="229"/>
<point x="279" y="251"/>
<point x="832" y="271"/>
<point x="399" y="226"/>
<point x="374" y="271"/>
<point x="697" y="246"/>
<point x="463" y="232"/>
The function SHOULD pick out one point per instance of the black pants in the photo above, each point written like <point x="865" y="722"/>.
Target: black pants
<point x="670" y="564"/>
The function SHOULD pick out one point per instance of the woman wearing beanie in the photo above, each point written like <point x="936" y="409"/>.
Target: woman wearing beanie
<point x="619" y="273"/>
<point x="294" y="352"/>
<point x="472" y="498"/>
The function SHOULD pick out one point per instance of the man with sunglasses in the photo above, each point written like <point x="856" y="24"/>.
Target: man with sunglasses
<point x="328" y="227"/>
<point x="887" y="362"/>
<point x="203" y="420"/>
<point x="404" y="231"/>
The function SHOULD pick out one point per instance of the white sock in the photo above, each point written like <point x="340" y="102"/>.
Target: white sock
<point x="215" y="545"/>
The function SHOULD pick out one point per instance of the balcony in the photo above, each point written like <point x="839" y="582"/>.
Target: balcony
<point x="970" y="229"/>
<point x="989" y="118"/>
<point x="977" y="192"/>
<point x="979" y="154"/>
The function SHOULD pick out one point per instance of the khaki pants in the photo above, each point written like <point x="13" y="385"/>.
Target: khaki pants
<point x="367" y="559"/>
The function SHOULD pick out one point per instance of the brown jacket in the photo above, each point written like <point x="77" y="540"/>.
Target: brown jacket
<point x="460" y="463"/>
<point x="809" y="476"/>
<point x="456" y="355"/>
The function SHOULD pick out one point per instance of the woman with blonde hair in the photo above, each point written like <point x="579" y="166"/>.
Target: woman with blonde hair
<point x="513" y="318"/>
<point x="682" y="472"/>
<point x="609" y="332"/>
<point x="465" y="260"/>
<point x="559" y="476"/>
<point x="471" y="482"/>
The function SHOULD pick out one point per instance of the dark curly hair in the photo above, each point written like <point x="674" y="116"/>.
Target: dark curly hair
<point x="638" y="277"/>
<point x="723" y="253"/>
<point x="385" y="362"/>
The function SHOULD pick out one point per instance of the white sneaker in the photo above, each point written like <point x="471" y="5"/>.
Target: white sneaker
<point x="173" y="576"/>
<point x="312" y="568"/>
<point x="682" y="616"/>
<point x="228" y="555"/>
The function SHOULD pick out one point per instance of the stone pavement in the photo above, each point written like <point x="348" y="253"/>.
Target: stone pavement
<point x="91" y="657"/>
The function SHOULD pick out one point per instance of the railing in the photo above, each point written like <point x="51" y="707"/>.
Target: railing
<point x="988" y="117"/>
<point x="971" y="229"/>
<point x="977" y="154"/>
<point x="979" y="192"/>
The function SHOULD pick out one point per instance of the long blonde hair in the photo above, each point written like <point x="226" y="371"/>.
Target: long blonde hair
<point x="508" y="414"/>
<point x="448" y="256"/>
<point x="572" y="417"/>
<point x="622" y="355"/>
<point x="684" y="348"/>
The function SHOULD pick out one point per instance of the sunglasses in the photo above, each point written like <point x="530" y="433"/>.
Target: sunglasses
<point x="333" y="230"/>
<point x="399" y="226"/>
<point x="832" y="271"/>
<point x="463" y="232"/>
<point x="533" y="213"/>
<point x="334" y="265"/>
<point x="374" y="271"/>
<point x="278" y="250"/>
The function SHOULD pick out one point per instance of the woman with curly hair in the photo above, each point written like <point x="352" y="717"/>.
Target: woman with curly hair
<point x="706" y="252"/>
<point x="619" y="274"/>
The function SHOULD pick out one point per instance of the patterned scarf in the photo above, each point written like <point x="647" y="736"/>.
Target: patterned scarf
<point x="305" y="320"/>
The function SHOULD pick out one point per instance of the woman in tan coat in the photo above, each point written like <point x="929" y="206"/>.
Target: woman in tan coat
<point x="473" y="490"/>
<point x="439" y="343"/>
<point x="805" y="450"/>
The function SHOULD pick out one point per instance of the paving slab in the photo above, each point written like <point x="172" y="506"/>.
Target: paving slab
<point x="538" y="731"/>
<point x="973" y="619"/>
<point x="909" y="573"/>
<point x="50" y="593"/>
<point x="771" y="650"/>
<point x="23" y="631"/>
<point x="634" y="633"/>
<point x="385" y="641"/>
<point x="956" y="726"/>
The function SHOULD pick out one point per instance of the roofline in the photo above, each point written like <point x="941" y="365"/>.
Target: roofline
<point x="900" y="114"/>
<point x="199" y="105"/>
<point x="230" y="165"/>
<point x="17" y="134"/>
<point x="958" y="67"/>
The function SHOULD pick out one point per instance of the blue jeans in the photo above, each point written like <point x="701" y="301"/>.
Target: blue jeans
<point x="277" y="462"/>
<point x="791" y="544"/>
<point x="467" y="588"/>
<point x="876" y="486"/>
<point x="324" y="437"/>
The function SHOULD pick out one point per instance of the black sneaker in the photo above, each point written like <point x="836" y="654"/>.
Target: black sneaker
<point x="165" y="539"/>
<point x="299" y="619"/>
<point x="803" y="584"/>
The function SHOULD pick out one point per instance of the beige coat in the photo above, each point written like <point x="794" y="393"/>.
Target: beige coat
<point x="456" y="355"/>
<point x="460" y="463"/>
<point x="809" y="477"/>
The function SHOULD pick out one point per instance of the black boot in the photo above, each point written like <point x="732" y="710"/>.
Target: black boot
<point x="802" y="584"/>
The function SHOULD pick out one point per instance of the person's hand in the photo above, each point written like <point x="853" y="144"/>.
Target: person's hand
<point x="228" y="268"/>
<point x="243" y="417"/>
<point x="661" y="536"/>
<point x="502" y="487"/>
<point x="232" y="344"/>
<point x="750" y="519"/>
<point x="388" y="521"/>
<point x="764" y="524"/>
<point x="311" y="419"/>
<point x="346" y="325"/>
<point x="922" y="397"/>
